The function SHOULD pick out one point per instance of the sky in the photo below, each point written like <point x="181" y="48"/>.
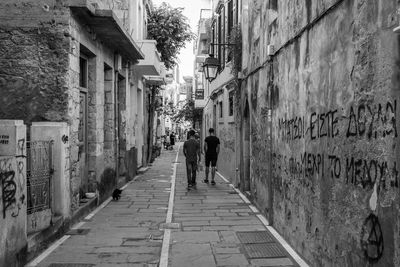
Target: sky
<point x="192" y="12"/>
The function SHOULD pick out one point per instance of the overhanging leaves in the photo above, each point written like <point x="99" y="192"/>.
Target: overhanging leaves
<point x="170" y="28"/>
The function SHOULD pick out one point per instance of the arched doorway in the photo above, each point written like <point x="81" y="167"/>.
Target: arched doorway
<point x="246" y="149"/>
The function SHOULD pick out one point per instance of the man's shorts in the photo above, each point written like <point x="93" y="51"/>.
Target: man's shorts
<point x="211" y="159"/>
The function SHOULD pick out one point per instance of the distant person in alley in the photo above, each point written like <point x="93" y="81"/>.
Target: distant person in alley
<point x="172" y="139"/>
<point x="191" y="150"/>
<point x="211" y="150"/>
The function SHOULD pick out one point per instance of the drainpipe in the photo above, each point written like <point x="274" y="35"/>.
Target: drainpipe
<point x="116" y="124"/>
<point x="270" y="182"/>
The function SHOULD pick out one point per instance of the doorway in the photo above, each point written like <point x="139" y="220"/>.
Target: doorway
<point x="83" y="120"/>
<point x="83" y="140"/>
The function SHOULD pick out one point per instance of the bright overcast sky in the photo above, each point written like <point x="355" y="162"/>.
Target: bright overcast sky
<point x="192" y="11"/>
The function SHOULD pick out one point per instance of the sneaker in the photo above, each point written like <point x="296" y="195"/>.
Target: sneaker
<point x="212" y="182"/>
<point x="205" y="181"/>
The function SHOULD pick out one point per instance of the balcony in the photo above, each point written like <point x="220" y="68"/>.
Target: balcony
<point x="156" y="79"/>
<point x="107" y="27"/>
<point x="204" y="28"/>
<point x="203" y="39"/>
<point x="151" y="64"/>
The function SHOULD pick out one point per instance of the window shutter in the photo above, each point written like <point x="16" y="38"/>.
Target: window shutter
<point x="223" y="36"/>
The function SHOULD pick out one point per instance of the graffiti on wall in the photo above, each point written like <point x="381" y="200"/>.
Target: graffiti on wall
<point x="10" y="184"/>
<point x="227" y="137"/>
<point x="352" y="170"/>
<point x="372" y="238"/>
<point x="371" y="122"/>
<point x="364" y="120"/>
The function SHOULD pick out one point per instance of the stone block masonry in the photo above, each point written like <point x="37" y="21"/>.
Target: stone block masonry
<point x="33" y="70"/>
<point x="13" y="192"/>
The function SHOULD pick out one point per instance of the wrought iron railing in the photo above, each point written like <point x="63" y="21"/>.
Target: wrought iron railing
<point x="39" y="174"/>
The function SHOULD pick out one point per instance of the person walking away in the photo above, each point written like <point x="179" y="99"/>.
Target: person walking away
<point x="172" y="139"/>
<point x="167" y="141"/>
<point x="211" y="149"/>
<point x="188" y="135"/>
<point x="191" y="150"/>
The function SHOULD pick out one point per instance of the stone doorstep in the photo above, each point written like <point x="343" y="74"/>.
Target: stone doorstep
<point x="38" y="242"/>
<point x="142" y="170"/>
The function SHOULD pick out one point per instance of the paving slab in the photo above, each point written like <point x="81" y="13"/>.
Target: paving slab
<point x="193" y="255"/>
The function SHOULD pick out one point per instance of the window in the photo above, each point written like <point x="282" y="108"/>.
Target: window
<point x="83" y="72"/>
<point x="221" y="110"/>
<point x="222" y="27"/>
<point x="231" y="95"/>
<point x="229" y="28"/>
<point x="214" y="40"/>
<point x="219" y="36"/>
<point x="236" y="12"/>
<point x="223" y="37"/>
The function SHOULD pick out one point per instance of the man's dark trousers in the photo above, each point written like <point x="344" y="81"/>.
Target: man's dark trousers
<point x="191" y="167"/>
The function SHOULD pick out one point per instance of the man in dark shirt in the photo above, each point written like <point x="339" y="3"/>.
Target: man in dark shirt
<point x="172" y="139"/>
<point x="211" y="149"/>
<point x="191" y="150"/>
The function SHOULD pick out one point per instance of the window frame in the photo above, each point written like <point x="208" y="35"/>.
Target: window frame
<point x="83" y="71"/>
<point x="220" y="40"/>
<point x="230" y="23"/>
<point x="231" y="99"/>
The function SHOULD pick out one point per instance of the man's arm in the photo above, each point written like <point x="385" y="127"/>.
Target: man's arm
<point x="184" y="149"/>
<point x="205" y="147"/>
<point x="217" y="149"/>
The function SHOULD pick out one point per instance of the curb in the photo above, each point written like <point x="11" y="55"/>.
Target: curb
<point x="38" y="242"/>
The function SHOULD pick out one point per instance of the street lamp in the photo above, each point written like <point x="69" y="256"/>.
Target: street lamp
<point x="210" y="67"/>
<point x="211" y="64"/>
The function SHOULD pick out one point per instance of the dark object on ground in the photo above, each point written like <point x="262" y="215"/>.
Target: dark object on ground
<point x="116" y="194"/>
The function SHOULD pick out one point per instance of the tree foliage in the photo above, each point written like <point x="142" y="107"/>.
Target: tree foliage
<point x="170" y="28"/>
<point x="188" y="113"/>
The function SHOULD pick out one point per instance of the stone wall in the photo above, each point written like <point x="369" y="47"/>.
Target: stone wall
<point x="225" y="131"/>
<point x="34" y="60"/>
<point x="329" y="176"/>
<point x="13" y="193"/>
<point x="39" y="77"/>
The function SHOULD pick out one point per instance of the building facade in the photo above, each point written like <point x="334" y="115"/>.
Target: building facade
<point x="315" y="121"/>
<point x="218" y="110"/>
<point x="79" y="63"/>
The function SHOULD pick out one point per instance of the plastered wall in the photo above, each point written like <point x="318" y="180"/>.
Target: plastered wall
<point x="333" y="160"/>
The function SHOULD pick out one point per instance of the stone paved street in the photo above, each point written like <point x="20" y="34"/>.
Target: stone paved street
<point x="130" y="232"/>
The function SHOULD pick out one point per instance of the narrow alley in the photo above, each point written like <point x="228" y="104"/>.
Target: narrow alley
<point x="158" y="222"/>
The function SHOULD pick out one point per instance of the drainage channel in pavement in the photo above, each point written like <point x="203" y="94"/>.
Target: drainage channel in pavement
<point x="265" y="245"/>
<point x="262" y="245"/>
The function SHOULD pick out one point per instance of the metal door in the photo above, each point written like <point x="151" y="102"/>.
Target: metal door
<point x="39" y="173"/>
